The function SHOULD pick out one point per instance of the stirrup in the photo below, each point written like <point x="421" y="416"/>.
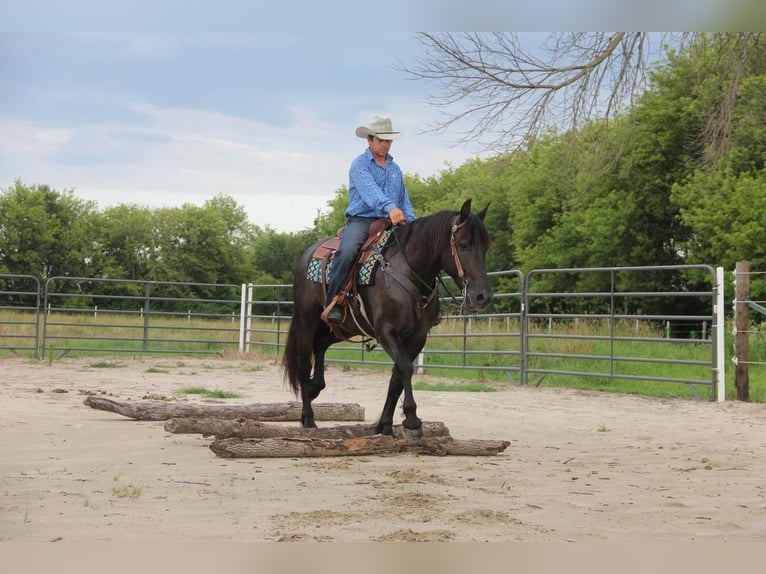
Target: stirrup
<point x="332" y="309"/>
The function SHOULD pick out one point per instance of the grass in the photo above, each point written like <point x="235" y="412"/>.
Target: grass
<point x="454" y="387"/>
<point x="105" y="365"/>
<point x="158" y="370"/>
<point x="127" y="491"/>
<point x="582" y="351"/>
<point x="207" y="393"/>
<point x="475" y="350"/>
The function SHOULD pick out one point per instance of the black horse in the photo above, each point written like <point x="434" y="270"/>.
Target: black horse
<point x="398" y="309"/>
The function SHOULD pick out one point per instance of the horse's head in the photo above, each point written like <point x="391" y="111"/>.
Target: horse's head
<point x="468" y="245"/>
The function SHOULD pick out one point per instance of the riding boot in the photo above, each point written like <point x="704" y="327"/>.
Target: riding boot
<point x="331" y="313"/>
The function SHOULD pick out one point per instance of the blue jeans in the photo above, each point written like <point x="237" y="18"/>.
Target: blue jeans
<point x="355" y="233"/>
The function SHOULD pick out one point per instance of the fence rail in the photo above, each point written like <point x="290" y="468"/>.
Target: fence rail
<point x="20" y="313"/>
<point x="138" y="316"/>
<point x="532" y="339"/>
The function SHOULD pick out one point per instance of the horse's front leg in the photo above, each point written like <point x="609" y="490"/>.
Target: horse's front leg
<point x="386" y="421"/>
<point x="401" y="380"/>
<point x="412" y="426"/>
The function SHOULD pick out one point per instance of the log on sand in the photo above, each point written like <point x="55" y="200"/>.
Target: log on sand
<point x="248" y="428"/>
<point x="277" y="412"/>
<point x="368" y="445"/>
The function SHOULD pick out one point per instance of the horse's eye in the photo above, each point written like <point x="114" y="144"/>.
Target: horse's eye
<point x="464" y="244"/>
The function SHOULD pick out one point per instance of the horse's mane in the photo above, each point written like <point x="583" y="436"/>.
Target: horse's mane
<point x="430" y="230"/>
<point x="433" y="230"/>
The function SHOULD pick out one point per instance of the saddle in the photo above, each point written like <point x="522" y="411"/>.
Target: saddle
<point x="325" y="252"/>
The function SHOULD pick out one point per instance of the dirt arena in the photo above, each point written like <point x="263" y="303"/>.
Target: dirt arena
<point x="580" y="466"/>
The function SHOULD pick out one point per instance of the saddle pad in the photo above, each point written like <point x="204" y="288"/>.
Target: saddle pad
<point x="366" y="266"/>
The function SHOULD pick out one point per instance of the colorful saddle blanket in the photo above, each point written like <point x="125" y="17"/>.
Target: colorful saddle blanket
<point x="366" y="266"/>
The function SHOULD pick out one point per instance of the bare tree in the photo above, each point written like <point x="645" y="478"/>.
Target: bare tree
<point x="500" y="94"/>
<point x="736" y="52"/>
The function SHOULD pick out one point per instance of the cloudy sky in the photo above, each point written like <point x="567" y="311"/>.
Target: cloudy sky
<point x="165" y="118"/>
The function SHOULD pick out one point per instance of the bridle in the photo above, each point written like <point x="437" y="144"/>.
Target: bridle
<point x="453" y="249"/>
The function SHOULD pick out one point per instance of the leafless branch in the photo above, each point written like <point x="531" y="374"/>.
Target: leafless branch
<point x="500" y="94"/>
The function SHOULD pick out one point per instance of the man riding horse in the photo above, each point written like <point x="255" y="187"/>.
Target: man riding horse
<point x="376" y="190"/>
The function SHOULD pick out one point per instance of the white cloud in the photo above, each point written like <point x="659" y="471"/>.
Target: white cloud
<point x="119" y="133"/>
<point x="282" y="176"/>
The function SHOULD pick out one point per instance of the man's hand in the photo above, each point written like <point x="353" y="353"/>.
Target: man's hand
<point x="396" y="216"/>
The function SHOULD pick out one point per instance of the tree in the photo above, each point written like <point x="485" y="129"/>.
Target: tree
<point x="504" y="95"/>
<point x="44" y="232"/>
<point x="126" y="237"/>
<point x="275" y="255"/>
<point x="327" y="224"/>
<point x="204" y="244"/>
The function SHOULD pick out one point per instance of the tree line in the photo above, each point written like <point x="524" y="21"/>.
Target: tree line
<point x="646" y="187"/>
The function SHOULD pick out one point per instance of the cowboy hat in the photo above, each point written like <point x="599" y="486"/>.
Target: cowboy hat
<point x="380" y="128"/>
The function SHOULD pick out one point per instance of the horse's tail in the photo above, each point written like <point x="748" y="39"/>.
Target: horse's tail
<point x="295" y="355"/>
<point x="291" y="357"/>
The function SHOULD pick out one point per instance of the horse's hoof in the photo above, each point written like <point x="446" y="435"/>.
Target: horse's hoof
<point x="412" y="434"/>
<point x="315" y="388"/>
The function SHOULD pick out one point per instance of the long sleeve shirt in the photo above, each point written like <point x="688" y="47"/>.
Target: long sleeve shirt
<point x="374" y="191"/>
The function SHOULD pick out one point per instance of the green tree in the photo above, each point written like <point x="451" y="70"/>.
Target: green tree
<point x="44" y="232"/>
<point x="275" y="255"/>
<point x="204" y="244"/>
<point x="328" y="223"/>
<point x="127" y="243"/>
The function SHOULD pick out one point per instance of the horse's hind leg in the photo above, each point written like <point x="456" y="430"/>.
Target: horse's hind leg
<point x="305" y="380"/>
<point x="313" y="383"/>
<point x="323" y="338"/>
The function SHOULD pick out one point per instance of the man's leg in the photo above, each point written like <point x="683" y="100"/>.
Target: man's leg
<point x="354" y="235"/>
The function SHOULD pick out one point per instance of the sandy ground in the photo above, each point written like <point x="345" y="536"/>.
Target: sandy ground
<point x="580" y="467"/>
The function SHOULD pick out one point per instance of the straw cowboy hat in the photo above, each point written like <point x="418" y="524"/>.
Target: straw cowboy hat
<point x="380" y="128"/>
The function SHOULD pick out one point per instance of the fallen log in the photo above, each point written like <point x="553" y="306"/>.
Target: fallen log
<point x="248" y="428"/>
<point x="276" y="412"/>
<point x="285" y="447"/>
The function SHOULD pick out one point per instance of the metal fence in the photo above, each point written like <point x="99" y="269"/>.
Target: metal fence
<point x="20" y="314"/>
<point x="524" y="337"/>
<point x="122" y="316"/>
<point x="601" y="344"/>
<point x="532" y="340"/>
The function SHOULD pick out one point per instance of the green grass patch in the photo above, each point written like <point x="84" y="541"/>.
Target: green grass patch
<point x="207" y="393"/>
<point x="106" y="365"/>
<point x="157" y="370"/>
<point x="454" y="387"/>
<point x="127" y="491"/>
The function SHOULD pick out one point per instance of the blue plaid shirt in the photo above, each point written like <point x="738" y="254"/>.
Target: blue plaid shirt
<point x="374" y="191"/>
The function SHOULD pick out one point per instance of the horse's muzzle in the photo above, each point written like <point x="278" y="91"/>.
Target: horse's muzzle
<point x="479" y="299"/>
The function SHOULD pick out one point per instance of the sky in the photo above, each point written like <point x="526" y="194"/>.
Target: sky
<point x="167" y="119"/>
<point x="264" y="112"/>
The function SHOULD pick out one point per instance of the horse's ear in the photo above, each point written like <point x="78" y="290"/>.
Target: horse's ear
<point x="465" y="211"/>
<point x="483" y="213"/>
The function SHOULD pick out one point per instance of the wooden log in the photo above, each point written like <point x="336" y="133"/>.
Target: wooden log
<point x="286" y="447"/>
<point x="277" y="412"/>
<point x="248" y="428"/>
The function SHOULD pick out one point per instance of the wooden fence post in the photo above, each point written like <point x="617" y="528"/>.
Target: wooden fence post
<point x="742" y="326"/>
